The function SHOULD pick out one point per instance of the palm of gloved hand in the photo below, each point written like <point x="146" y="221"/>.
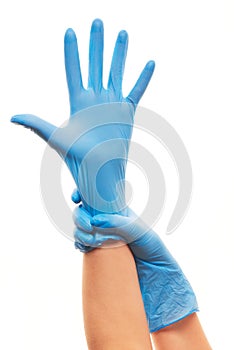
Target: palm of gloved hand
<point x="94" y="143"/>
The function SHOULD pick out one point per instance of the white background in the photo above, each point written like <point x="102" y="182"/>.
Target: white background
<point x="192" y="88"/>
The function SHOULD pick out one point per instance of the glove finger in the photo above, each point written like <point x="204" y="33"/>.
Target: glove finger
<point x="82" y="218"/>
<point x="75" y="197"/>
<point x="73" y="71"/>
<point x="118" y="63"/>
<point x="41" y="127"/>
<point x="142" y="83"/>
<point x="126" y="228"/>
<point x="110" y="221"/>
<point x="96" y="55"/>
<point x="87" y="239"/>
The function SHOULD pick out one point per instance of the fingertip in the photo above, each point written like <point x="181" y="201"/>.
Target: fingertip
<point x="94" y="222"/>
<point x="97" y="25"/>
<point x="122" y="36"/>
<point x="13" y="119"/>
<point x="97" y="220"/>
<point x="70" y="35"/>
<point x="75" y="197"/>
<point x="18" y="119"/>
<point x="151" y="65"/>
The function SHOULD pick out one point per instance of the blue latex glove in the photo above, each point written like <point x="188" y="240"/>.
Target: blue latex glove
<point x="95" y="141"/>
<point x="167" y="294"/>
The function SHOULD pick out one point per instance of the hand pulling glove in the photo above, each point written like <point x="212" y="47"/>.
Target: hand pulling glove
<point x="167" y="294"/>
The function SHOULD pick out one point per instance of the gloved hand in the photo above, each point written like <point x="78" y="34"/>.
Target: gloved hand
<point x="94" y="143"/>
<point x="167" y="294"/>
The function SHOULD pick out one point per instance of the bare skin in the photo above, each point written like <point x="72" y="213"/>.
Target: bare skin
<point x="114" y="315"/>
<point x="186" y="334"/>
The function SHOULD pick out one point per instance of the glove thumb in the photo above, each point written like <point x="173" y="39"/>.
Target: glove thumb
<point x="75" y="197"/>
<point x="41" y="127"/>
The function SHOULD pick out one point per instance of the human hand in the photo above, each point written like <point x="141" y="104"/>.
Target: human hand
<point x="167" y="294"/>
<point x="95" y="140"/>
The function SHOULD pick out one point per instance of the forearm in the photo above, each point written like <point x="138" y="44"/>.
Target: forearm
<point x="169" y="300"/>
<point x="183" y="335"/>
<point x="114" y="314"/>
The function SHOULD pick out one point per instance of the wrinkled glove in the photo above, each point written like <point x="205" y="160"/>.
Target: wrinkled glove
<point x="94" y="142"/>
<point x="167" y="294"/>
